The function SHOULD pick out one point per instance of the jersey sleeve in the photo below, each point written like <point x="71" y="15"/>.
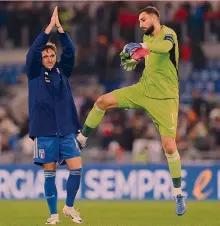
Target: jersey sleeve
<point x="169" y="37"/>
<point x="34" y="56"/>
<point x="161" y="47"/>
<point x="68" y="56"/>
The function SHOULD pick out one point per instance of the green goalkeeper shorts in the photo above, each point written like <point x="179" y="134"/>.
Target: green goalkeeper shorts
<point x="164" y="112"/>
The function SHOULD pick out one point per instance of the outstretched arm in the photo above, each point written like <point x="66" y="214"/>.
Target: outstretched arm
<point x="68" y="55"/>
<point x="34" y="55"/>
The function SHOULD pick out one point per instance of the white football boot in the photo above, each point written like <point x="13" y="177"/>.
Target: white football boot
<point x="74" y="214"/>
<point x="53" y="219"/>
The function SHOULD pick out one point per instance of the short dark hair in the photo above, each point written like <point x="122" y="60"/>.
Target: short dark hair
<point x="150" y="10"/>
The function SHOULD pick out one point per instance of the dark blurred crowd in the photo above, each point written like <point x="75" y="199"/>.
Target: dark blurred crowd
<point x="99" y="31"/>
<point x="35" y="15"/>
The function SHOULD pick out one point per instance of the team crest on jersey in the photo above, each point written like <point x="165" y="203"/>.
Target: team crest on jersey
<point x="58" y="71"/>
<point x="46" y="77"/>
<point x="41" y="153"/>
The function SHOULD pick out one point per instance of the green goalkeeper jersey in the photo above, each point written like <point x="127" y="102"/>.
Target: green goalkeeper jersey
<point x="160" y="76"/>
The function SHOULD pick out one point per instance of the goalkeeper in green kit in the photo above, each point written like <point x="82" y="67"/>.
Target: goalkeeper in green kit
<point x="157" y="91"/>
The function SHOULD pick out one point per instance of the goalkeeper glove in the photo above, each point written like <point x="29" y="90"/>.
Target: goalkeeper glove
<point x="131" y="47"/>
<point x="126" y="62"/>
<point x="136" y="51"/>
<point x="132" y="54"/>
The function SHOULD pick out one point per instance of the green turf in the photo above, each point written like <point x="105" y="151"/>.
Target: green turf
<point x="113" y="213"/>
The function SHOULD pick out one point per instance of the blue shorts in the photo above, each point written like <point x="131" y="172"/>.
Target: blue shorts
<point x="55" y="149"/>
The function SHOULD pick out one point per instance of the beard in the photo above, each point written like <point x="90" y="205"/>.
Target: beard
<point x="150" y="30"/>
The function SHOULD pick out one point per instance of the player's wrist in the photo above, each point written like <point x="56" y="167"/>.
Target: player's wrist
<point x="48" y="29"/>
<point x="60" y="29"/>
<point x="144" y="45"/>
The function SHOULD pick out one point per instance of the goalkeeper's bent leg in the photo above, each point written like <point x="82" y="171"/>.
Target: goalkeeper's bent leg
<point x="103" y="103"/>
<point x="92" y="121"/>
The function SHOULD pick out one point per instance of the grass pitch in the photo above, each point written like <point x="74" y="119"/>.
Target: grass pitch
<point x="113" y="213"/>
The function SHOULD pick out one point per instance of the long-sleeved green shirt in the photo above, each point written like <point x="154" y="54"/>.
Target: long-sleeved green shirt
<point x="160" y="76"/>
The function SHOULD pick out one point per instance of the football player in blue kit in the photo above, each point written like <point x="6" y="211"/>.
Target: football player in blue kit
<point x="53" y="116"/>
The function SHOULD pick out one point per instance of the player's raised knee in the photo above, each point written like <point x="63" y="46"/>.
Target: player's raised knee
<point x="106" y="102"/>
<point x="102" y="102"/>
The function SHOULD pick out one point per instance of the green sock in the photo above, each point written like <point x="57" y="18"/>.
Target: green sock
<point x="175" y="168"/>
<point x="93" y="119"/>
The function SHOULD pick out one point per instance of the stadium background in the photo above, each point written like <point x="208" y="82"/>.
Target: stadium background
<point x="124" y="157"/>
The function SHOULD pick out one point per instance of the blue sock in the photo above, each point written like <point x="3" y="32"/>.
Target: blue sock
<point x="72" y="186"/>
<point x="50" y="190"/>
